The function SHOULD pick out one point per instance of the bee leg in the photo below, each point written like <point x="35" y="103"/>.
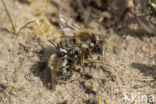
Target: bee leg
<point x="53" y="80"/>
<point x="90" y="55"/>
<point x="83" y="68"/>
<point x="81" y="63"/>
<point x="52" y="66"/>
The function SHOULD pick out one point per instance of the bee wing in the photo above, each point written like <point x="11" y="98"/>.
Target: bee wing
<point x="67" y="25"/>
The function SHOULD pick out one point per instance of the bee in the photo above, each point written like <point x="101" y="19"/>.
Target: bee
<point x="61" y="63"/>
<point x="77" y="46"/>
<point x="88" y="42"/>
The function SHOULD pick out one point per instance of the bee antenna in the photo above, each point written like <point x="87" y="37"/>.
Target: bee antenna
<point x="53" y="44"/>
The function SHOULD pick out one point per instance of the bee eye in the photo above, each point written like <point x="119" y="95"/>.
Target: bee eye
<point x="74" y="40"/>
<point x="97" y="49"/>
<point x="76" y="53"/>
<point x="61" y="54"/>
<point x="68" y="69"/>
<point x="93" y="38"/>
<point x="70" y="60"/>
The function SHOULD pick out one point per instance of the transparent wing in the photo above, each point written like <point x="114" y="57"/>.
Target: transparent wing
<point x="67" y="25"/>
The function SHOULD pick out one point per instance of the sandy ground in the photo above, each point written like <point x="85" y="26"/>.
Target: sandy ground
<point x="128" y="63"/>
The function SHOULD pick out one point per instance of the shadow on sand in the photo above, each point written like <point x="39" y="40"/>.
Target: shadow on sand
<point x="147" y="71"/>
<point x="41" y="69"/>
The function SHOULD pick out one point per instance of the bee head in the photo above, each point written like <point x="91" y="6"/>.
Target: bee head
<point x="96" y="44"/>
<point x="97" y="49"/>
<point x="61" y="52"/>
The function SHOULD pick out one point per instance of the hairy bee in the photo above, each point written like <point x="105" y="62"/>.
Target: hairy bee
<point x="77" y="46"/>
<point x="88" y="42"/>
<point x="61" y="63"/>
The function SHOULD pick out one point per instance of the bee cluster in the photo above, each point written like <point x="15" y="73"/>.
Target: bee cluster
<point x="73" y="51"/>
